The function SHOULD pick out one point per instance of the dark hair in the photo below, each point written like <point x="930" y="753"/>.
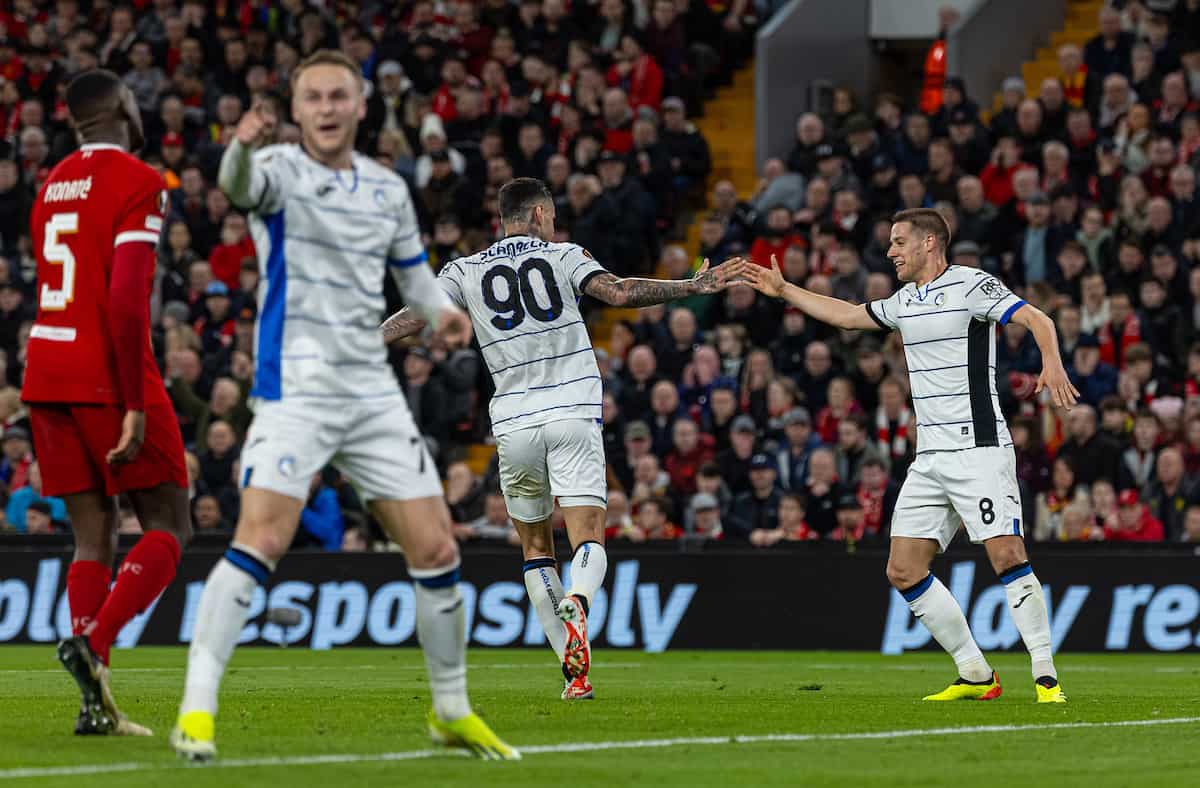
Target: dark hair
<point x="661" y="504"/>
<point x="518" y="197"/>
<point x="1138" y="352"/>
<point x="926" y="221"/>
<point x="91" y="94"/>
<point x="1113" y="402"/>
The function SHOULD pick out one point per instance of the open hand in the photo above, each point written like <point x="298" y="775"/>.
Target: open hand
<point x="133" y="433"/>
<point x="1054" y="377"/>
<point x="714" y="280"/>
<point x="768" y="281"/>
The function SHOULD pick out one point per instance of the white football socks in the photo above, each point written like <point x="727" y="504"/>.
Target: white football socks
<point x="934" y="605"/>
<point x="1027" y="605"/>
<point x="224" y="604"/>
<point x="441" y="628"/>
<point x="545" y="591"/>
<point x="589" y="565"/>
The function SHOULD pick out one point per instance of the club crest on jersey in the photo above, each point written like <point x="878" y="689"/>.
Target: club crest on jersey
<point x="324" y="189"/>
<point x="381" y="198"/>
<point x="939" y="299"/>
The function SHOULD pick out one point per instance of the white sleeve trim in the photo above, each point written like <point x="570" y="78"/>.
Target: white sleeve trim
<point x="135" y="235"/>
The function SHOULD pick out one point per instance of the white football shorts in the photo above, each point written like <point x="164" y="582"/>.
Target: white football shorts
<point x="375" y="443"/>
<point x="973" y="487"/>
<point x="561" y="459"/>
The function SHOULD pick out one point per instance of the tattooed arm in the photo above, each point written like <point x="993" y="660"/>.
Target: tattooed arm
<point x="634" y="292"/>
<point x="400" y="325"/>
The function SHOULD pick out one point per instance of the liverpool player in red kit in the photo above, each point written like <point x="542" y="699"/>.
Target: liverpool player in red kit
<point x="102" y="422"/>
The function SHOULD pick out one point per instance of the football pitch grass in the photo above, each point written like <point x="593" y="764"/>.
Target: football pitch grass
<point x="356" y="717"/>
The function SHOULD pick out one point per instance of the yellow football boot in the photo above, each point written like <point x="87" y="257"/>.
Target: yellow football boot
<point x="1049" y="690"/>
<point x="193" y="737"/>
<point x="473" y="734"/>
<point x="964" y="690"/>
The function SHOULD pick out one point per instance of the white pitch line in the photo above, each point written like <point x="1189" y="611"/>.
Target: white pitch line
<point x="572" y="747"/>
<point x="325" y="668"/>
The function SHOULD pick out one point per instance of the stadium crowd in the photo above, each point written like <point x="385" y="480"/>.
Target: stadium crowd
<point x="725" y="417"/>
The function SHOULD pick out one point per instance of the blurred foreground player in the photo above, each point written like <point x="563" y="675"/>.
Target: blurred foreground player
<point x="102" y="421"/>
<point x="965" y="470"/>
<point x="328" y="225"/>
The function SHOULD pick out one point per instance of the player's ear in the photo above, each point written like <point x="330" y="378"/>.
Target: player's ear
<point x="362" y="106"/>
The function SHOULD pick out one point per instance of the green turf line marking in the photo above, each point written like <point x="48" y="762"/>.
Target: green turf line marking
<point x="572" y="747"/>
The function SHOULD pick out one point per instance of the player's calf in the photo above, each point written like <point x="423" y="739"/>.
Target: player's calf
<point x="222" y="613"/>
<point x="545" y="591"/>
<point x="935" y="607"/>
<point x="1027" y="606"/>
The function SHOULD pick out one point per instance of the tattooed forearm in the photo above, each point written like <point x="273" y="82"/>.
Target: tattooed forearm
<point x="400" y="325"/>
<point x="646" y="292"/>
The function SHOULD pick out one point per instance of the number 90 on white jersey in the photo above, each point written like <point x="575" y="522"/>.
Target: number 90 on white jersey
<point x="523" y="298"/>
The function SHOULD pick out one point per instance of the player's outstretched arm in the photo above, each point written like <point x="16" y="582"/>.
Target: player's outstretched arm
<point x="429" y="304"/>
<point x="1054" y="375"/>
<point x="833" y="311"/>
<point x="400" y="325"/>
<point x="635" y="292"/>
<point x="237" y="176"/>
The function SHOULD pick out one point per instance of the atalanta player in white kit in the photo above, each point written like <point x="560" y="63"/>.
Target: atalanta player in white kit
<point x="522" y="294"/>
<point x="328" y="226"/>
<point x="965" y="469"/>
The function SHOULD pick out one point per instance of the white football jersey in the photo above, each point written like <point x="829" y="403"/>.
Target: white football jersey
<point x="325" y="239"/>
<point x="523" y="298"/>
<point x="949" y="333"/>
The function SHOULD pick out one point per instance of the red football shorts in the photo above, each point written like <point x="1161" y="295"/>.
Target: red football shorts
<point x="72" y="442"/>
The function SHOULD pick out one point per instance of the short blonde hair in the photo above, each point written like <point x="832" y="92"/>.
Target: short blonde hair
<point x="328" y="57"/>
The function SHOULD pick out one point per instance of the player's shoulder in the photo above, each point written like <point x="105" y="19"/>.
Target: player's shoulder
<point x="458" y="267"/>
<point x="566" y="251"/>
<point x="368" y="168"/>
<point x="372" y="173"/>
<point x="117" y="172"/>
<point x="287" y="154"/>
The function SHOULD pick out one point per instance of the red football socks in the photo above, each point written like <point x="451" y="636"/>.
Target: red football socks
<point x="87" y="588"/>
<point x="146" y="571"/>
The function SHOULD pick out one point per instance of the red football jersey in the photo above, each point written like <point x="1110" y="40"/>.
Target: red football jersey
<point x="94" y="200"/>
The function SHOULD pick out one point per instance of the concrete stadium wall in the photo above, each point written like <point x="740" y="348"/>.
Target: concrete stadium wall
<point x="993" y="42"/>
<point x="806" y="41"/>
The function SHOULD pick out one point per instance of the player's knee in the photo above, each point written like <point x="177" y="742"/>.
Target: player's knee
<point x="271" y="543"/>
<point x="443" y="552"/>
<point x="903" y="576"/>
<point x="1007" y="553"/>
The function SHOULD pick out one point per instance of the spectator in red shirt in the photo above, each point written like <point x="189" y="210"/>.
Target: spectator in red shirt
<point x="841" y="404"/>
<point x="637" y="73"/>
<point x="997" y="177"/>
<point x="776" y="239"/>
<point x="454" y="79"/>
<point x="617" y="122"/>
<point x="16" y="455"/>
<point x="1134" y="521"/>
<point x="236" y="245"/>
<point x="792" y="525"/>
<point x="215" y="328"/>
<point x="12" y="68"/>
<point x="652" y="519"/>
<point x="690" y="451"/>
